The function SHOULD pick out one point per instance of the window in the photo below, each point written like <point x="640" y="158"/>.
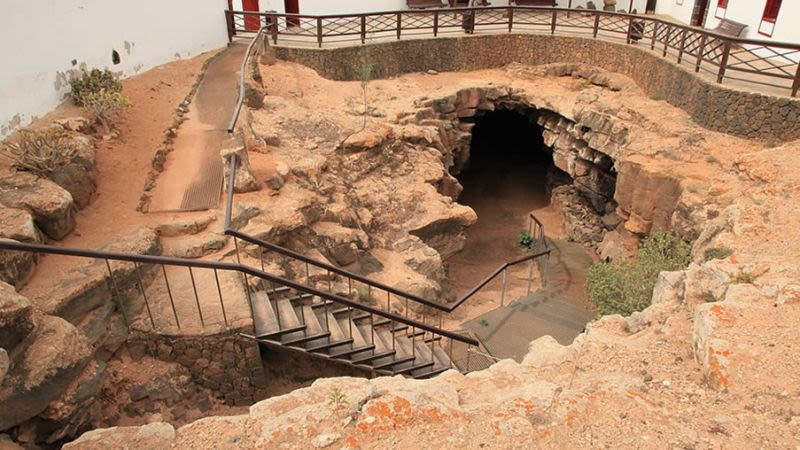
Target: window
<point x="769" y="18"/>
<point x="722" y="9"/>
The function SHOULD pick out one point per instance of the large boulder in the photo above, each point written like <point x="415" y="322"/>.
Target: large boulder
<point x="57" y="353"/>
<point x="79" y="176"/>
<point x="16" y="317"/>
<point x="646" y="198"/>
<point x="342" y="245"/>
<point x="153" y="436"/>
<point x="16" y="268"/>
<point x="52" y="207"/>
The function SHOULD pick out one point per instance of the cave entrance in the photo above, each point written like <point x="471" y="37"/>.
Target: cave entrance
<point x="508" y="175"/>
<point x="504" y="179"/>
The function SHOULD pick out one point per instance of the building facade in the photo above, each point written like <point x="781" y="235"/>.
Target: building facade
<point x="774" y="20"/>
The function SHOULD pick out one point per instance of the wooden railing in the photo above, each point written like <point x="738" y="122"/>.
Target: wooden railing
<point x="750" y="62"/>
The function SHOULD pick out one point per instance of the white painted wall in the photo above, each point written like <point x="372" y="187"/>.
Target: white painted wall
<point x="680" y="12"/>
<point x="39" y="40"/>
<point x="750" y="12"/>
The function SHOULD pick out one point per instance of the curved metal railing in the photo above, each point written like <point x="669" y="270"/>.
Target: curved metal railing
<point x="757" y="62"/>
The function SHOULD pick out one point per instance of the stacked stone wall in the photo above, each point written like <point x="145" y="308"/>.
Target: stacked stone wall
<point x="225" y="363"/>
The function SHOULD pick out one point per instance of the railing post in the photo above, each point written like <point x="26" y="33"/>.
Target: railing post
<point x="683" y="45"/>
<point x="553" y="22"/>
<point x="319" y="32"/>
<point x="666" y="41"/>
<point x="399" y="24"/>
<point x="796" y="84"/>
<point x="655" y="35"/>
<point x="724" y="62"/>
<point x="435" y="23"/>
<point x="596" y="24"/>
<point x="700" y="51"/>
<point x="630" y="29"/>
<point x="230" y="25"/>
<point x="274" y="28"/>
<point x="510" y="19"/>
<point x="363" y="29"/>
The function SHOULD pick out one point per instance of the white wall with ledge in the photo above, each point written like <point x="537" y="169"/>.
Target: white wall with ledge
<point x="749" y="12"/>
<point x="43" y="41"/>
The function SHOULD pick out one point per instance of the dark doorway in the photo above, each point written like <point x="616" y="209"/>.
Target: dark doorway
<point x="251" y="22"/>
<point x="699" y="13"/>
<point x="292" y="7"/>
<point x="651" y="7"/>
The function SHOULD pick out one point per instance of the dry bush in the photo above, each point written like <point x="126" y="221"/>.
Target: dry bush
<point x="104" y="105"/>
<point x="41" y="152"/>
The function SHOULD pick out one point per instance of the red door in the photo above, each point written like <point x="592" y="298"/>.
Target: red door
<point x="292" y="7"/>
<point x="251" y="23"/>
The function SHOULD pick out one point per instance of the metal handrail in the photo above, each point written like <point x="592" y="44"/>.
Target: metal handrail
<point x="740" y="40"/>
<point x="719" y="51"/>
<point x="242" y="75"/>
<point x="235" y="267"/>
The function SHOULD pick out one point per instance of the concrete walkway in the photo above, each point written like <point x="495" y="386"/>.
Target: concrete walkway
<point x="560" y="309"/>
<point x="193" y="174"/>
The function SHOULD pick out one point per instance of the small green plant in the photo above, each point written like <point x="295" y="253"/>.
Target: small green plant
<point x="91" y="82"/>
<point x="337" y="398"/>
<point x="525" y="240"/>
<point x="105" y="105"/>
<point x="657" y="96"/>
<point x="744" y="277"/>
<point x="717" y="253"/>
<point x="711" y="159"/>
<point x="484" y="323"/>
<point x="364" y="71"/>
<point x="41" y="152"/>
<point x="623" y="287"/>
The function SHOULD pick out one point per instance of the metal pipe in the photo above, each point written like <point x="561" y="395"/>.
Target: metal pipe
<point x="197" y="298"/>
<point x="221" y="303"/>
<point x="169" y="293"/>
<point x="144" y="295"/>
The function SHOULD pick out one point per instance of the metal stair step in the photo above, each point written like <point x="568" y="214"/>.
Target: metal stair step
<point x="283" y="332"/>
<point x="305" y="339"/>
<point x="410" y="369"/>
<point x="373" y="357"/>
<point x="264" y="319"/>
<point x="352" y="351"/>
<point x="394" y="362"/>
<point x="330" y="345"/>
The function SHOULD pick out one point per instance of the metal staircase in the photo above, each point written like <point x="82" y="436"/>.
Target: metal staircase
<point x="288" y="319"/>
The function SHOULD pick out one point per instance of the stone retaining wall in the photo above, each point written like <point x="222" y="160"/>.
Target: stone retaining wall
<point x="713" y="106"/>
<point x="224" y="363"/>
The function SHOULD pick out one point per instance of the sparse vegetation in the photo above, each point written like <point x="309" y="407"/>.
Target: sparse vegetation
<point x="104" y="106"/>
<point x="92" y="82"/>
<point x="484" y="323"/>
<point x="746" y="277"/>
<point x="623" y="287"/>
<point x="525" y="240"/>
<point x="717" y="253"/>
<point x="364" y="70"/>
<point x="337" y="398"/>
<point x="40" y="152"/>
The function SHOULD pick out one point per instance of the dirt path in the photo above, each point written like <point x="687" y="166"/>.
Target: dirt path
<point x="192" y="177"/>
<point x="124" y="162"/>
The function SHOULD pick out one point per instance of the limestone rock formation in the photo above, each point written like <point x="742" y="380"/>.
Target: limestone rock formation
<point x="244" y="180"/>
<point x="79" y="176"/>
<point x="52" y="207"/>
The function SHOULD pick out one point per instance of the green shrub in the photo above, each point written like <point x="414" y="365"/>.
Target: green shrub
<point x="105" y="105"/>
<point x="92" y="82"/>
<point x="623" y="287"/>
<point x="525" y="240"/>
<point x="41" y="152"/>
